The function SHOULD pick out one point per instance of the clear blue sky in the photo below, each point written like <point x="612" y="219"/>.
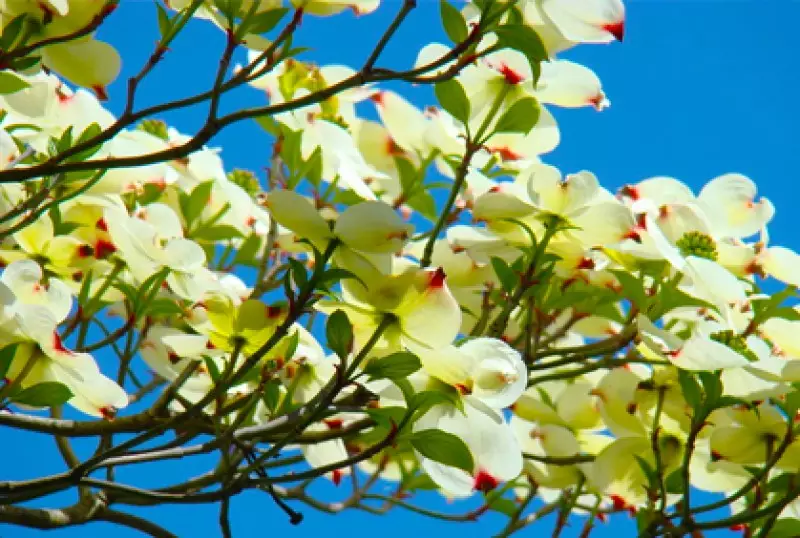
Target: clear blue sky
<point x="699" y="88"/>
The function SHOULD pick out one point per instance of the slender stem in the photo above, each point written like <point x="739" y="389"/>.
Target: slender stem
<point x="407" y="7"/>
<point x="444" y="215"/>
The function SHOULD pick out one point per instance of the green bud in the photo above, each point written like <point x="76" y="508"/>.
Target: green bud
<point x="156" y="128"/>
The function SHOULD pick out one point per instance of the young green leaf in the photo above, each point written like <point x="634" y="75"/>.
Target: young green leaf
<point x="690" y="388"/>
<point x="272" y="394"/>
<point x="6" y="356"/>
<point x="339" y="333"/>
<point x="453" y="98"/>
<point x="422" y="402"/>
<point x="521" y="117"/>
<point x="266" y="21"/>
<point x="248" y="250"/>
<point x="218" y="232"/>
<point x="444" y="448"/>
<point x="524" y="39"/>
<point x="454" y="25"/>
<point x="197" y="201"/>
<point x="164" y="22"/>
<point x="397" y="365"/>
<point x="11" y="83"/>
<point x="45" y="394"/>
<point x="508" y="279"/>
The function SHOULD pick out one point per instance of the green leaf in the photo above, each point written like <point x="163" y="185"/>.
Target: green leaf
<point x="785" y="528"/>
<point x="272" y="394"/>
<point x="453" y="98"/>
<point x="291" y="347"/>
<point x="424" y="401"/>
<point x="299" y="272"/>
<point x="338" y="274"/>
<point x="504" y="506"/>
<point x="65" y="142"/>
<point x="420" y="482"/>
<point x="632" y="288"/>
<point x="385" y="417"/>
<point x="712" y="387"/>
<point x="508" y="278"/>
<point x="218" y="232"/>
<point x="690" y="388"/>
<point x="647" y="469"/>
<point x="423" y="203"/>
<point x="266" y="21"/>
<point x="444" y="448"/>
<point x="45" y="394"/>
<point x="90" y="132"/>
<point x="669" y="299"/>
<point x="197" y="201"/>
<point x="246" y="255"/>
<point x="397" y="365"/>
<point x="229" y="8"/>
<point x="23" y="64"/>
<point x="733" y="401"/>
<point x="311" y="168"/>
<point x="211" y="366"/>
<point x="163" y="306"/>
<point x="782" y="483"/>
<point x="524" y="39"/>
<point x="786" y="312"/>
<point x="164" y="22"/>
<point x="126" y="289"/>
<point x="339" y="333"/>
<point x="644" y="517"/>
<point x="386" y="423"/>
<point x="408" y="175"/>
<point x="149" y="289"/>
<point x="520" y="117"/>
<point x="12" y="29"/>
<point x="6" y="356"/>
<point x="454" y="25"/>
<point x="11" y="83"/>
<point x="674" y="482"/>
<point x="792" y="402"/>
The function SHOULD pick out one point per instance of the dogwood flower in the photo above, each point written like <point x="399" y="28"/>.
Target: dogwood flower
<point x="425" y="313"/>
<point x="31" y="317"/>
<point x="146" y="249"/>
<point x="494" y="448"/>
<point x="486" y="369"/>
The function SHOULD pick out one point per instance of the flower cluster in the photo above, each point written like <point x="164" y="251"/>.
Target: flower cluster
<point x="537" y="328"/>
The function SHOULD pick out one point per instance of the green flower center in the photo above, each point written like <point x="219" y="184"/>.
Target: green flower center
<point x="736" y="343"/>
<point x="698" y="244"/>
<point x="156" y="128"/>
<point x="246" y="180"/>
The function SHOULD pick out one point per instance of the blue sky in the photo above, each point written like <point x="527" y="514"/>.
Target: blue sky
<point x="698" y="89"/>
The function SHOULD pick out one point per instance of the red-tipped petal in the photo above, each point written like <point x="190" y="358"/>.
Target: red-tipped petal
<point x="58" y="345"/>
<point x="334" y="423"/>
<point x="100" y="92"/>
<point x="512" y="77"/>
<point x="103" y="249"/>
<point x="618" y="502"/>
<point x="485" y="482"/>
<point x="437" y="278"/>
<point x="617" y="29"/>
<point x="336" y="476"/>
<point x="84" y="251"/>
<point x="377" y="98"/>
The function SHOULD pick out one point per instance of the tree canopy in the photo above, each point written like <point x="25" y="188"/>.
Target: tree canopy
<point x="416" y="299"/>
